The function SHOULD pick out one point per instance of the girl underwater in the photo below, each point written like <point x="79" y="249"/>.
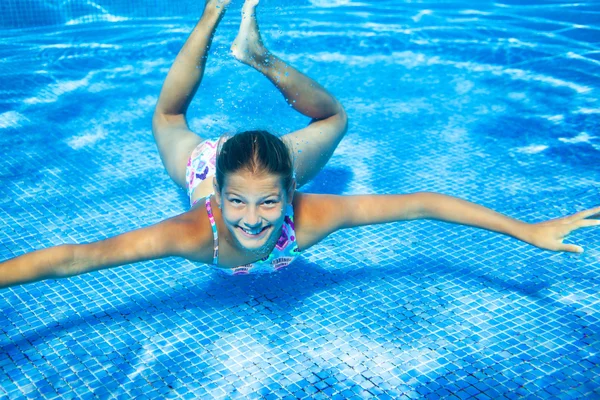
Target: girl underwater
<point x="246" y="214"/>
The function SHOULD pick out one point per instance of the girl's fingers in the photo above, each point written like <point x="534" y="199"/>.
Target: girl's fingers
<point x="572" y="248"/>
<point x="585" y="223"/>
<point x="587" y="213"/>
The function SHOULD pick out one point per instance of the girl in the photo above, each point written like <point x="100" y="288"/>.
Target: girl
<point x="246" y="214"/>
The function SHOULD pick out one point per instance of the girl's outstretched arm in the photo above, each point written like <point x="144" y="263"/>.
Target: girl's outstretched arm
<point x="547" y="235"/>
<point x="174" y="237"/>
<point x="320" y="215"/>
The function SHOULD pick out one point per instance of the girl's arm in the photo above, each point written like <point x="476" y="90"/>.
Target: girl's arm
<point x="173" y="237"/>
<point x="547" y="235"/>
<point x="320" y="215"/>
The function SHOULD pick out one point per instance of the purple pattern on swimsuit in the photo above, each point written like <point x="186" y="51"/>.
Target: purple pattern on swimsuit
<point x="203" y="175"/>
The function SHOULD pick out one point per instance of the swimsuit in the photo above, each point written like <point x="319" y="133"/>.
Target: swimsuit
<point x="200" y="166"/>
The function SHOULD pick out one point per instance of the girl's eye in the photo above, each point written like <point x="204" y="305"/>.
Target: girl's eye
<point x="235" y="201"/>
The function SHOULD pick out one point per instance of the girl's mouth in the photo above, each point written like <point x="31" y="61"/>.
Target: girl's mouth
<point x="254" y="234"/>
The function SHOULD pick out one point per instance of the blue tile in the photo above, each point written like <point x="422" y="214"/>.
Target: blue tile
<point x="482" y="309"/>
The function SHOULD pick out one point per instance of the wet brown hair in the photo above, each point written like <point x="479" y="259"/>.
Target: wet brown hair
<point x="257" y="152"/>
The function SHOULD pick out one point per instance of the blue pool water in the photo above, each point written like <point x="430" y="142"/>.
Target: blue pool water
<point x="496" y="103"/>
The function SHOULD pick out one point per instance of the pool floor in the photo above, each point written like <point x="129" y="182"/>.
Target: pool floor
<point x="419" y="309"/>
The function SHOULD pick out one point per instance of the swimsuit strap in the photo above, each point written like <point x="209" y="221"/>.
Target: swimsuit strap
<point x="211" y="218"/>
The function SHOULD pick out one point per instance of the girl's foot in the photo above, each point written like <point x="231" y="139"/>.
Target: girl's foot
<point x="248" y="47"/>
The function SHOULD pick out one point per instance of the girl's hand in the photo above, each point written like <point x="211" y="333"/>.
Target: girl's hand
<point x="549" y="235"/>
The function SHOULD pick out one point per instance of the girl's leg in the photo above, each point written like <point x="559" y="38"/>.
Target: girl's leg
<point x="174" y="139"/>
<point x="313" y="145"/>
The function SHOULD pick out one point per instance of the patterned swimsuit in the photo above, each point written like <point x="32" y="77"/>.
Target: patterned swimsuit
<point x="202" y="165"/>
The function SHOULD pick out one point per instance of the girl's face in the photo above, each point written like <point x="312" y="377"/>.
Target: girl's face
<point x="253" y="209"/>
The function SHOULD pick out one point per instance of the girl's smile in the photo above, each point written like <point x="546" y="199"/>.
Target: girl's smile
<point x="254" y="233"/>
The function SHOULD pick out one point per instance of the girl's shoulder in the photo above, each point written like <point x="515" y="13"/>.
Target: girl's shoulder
<point x="316" y="216"/>
<point x="196" y="234"/>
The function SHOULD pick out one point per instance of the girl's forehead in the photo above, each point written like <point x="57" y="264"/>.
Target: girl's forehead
<point x="252" y="182"/>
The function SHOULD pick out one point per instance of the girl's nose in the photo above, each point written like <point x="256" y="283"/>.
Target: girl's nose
<point x="252" y="219"/>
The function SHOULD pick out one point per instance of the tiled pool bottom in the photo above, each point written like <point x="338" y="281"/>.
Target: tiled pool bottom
<point x="419" y="318"/>
<point x="409" y="310"/>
